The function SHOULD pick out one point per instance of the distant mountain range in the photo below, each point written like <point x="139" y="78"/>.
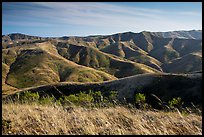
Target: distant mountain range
<point x="191" y="34"/>
<point x="32" y="60"/>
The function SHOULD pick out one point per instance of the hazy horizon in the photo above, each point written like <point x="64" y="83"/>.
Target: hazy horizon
<point x="98" y="34"/>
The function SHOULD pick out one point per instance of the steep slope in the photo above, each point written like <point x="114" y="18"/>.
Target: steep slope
<point x="5" y="86"/>
<point x="163" y="50"/>
<point x="8" y="57"/>
<point x="130" y="51"/>
<point x="167" y="49"/>
<point x="149" y="48"/>
<point x="94" y="58"/>
<point x="41" y="64"/>
<point x="188" y="63"/>
<point x="187" y="46"/>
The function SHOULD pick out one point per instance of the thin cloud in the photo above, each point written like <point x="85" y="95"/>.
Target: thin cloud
<point x="190" y="13"/>
<point x="96" y="14"/>
<point x="27" y="24"/>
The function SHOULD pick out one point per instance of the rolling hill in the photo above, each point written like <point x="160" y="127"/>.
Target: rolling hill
<point x="41" y="64"/>
<point x="91" y="57"/>
<point x="149" y="48"/>
<point x="164" y="85"/>
<point x="188" y="63"/>
<point x="32" y="60"/>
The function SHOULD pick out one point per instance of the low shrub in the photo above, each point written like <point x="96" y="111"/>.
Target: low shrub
<point x="28" y="97"/>
<point x="140" y="101"/>
<point x="175" y="103"/>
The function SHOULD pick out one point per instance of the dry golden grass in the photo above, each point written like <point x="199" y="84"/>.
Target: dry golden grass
<point x="39" y="64"/>
<point x="54" y="120"/>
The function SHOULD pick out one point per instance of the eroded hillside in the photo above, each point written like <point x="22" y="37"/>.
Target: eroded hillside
<point x="39" y="64"/>
<point x="32" y="61"/>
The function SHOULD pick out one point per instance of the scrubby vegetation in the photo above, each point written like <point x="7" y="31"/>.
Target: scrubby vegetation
<point x="95" y="113"/>
<point x="90" y="99"/>
<point x="140" y="100"/>
<point x="153" y="110"/>
<point x="175" y="102"/>
<point x="98" y="99"/>
<point x="170" y="87"/>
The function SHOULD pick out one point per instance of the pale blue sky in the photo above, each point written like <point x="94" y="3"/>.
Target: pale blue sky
<point x="94" y="18"/>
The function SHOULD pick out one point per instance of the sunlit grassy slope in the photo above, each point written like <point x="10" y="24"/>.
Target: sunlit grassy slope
<point x="41" y="64"/>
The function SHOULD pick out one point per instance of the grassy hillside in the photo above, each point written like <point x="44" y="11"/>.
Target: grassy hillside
<point x="31" y="61"/>
<point x="41" y="64"/>
<point x="130" y="51"/>
<point x="149" y="48"/>
<point x="188" y="63"/>
<point x="165" y="86"/>
<point x="94" y="58"/>
<point x="5" y="70"/>
<point x="187" y="46"/>
<point x="105" y="108"/>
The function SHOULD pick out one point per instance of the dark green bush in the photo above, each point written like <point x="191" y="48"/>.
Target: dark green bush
<point x="175" y="103"/>
<point x="28" y="97"/>
<point x="84" y="99"/>
<point x="140" y="100"/>
<point x="48" y="100"/>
